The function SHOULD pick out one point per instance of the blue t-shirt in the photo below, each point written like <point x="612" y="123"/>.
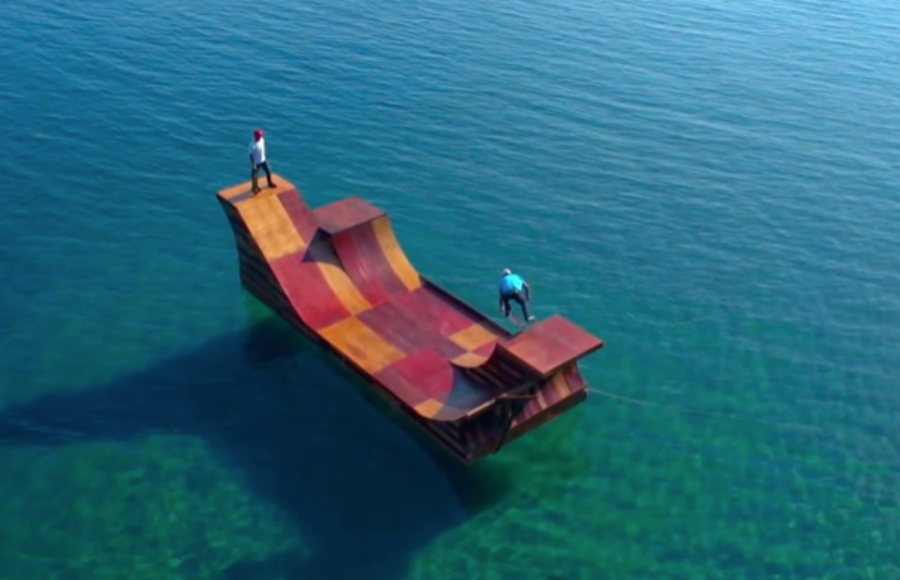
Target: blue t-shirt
<point x="511" y="283"/>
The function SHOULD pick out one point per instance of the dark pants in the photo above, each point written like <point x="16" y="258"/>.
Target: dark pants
<point x="255" y="171"/>
<point x="516" y="297"/>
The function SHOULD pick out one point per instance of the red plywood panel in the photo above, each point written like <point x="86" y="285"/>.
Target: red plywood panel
<point x="301" y="215"/>
<point x="551" y="343"/>
<point x="378" y="268"/>
<point x="354" y="264"/>
<point x="436" y="311"/>
<point x="309" y="292"/>
<point x="391" y="321"/>
<point x="345" y="214"/>
<point x="366" y="264"/>
<point x="418" y="377"/>
<point x="486" y="349"/>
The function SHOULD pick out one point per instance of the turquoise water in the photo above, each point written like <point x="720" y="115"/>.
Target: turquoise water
<point x="711" y="187"/>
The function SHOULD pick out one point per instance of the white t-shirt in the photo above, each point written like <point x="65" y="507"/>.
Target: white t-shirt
<point x="258" y="151"/>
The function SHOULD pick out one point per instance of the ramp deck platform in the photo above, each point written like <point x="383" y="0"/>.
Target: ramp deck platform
<point x="338" y="274"/>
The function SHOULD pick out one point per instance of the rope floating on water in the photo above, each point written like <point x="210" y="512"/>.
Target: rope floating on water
<point x="711" y="414"/>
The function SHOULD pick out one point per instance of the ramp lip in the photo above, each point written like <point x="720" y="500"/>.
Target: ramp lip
<point x="452" y="383"/>
<point x="346" y="214"/>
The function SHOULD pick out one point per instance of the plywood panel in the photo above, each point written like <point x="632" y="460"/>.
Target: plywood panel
<point x="394" y="254"/>
<point x="551" y="343"/>
<point x="363" y="260"/>
<point x="241" y="192"/>
<point x="271" y="227"/>
<point x="474" y="336"/>
<point x="436" y="312"/>
<point x="357" y="267"/>
<point x="391" y="321"/>
<point x="362" y="345"/>
<point x="346" y="214"/>
<point x="309" y="292"/>
<point x="421" y="376"/>
<point x="300" y="214"/>
<point x="340" y="283"/>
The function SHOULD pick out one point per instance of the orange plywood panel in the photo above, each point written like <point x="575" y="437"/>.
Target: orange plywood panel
<point x="346" y="214"/>
<point x="271" y="227"/>
<point x="470" y="359"/>
<point x="474" y="336"/>
<point x="394" y="254"/>
<point x="550" y="344"/>
<point x="241" y="192"/>
<point x="340" y="283"/>
<point x="361" y="344"/>
<point x="429" y="408"/>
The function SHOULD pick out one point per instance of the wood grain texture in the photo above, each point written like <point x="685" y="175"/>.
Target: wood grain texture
<point x="551" y="390"/>
<point x="243" y="191"/>
<point x="301" y="216"/>
<point x="362" y="345"/>
<point x="421" y="375"/>
<point x="474" y="336"/>
<point x="428" y="383"/>
<point x="395" y="255"/>
<point x="346" y="291"/>
<point x="366" y="264"/>
<point x="475" y="357"/>
<point x="309" y="293"/>
<point x="395" y="324"/>
<point x="346" y="214"/>
<point x="434" y="311"/>
<point x="470" y="359"/>
<point x="271" y="227"/>
<point x="551" y="343"/>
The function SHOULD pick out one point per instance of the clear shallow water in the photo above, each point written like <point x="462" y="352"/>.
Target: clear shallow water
<point x="712" y="189"/>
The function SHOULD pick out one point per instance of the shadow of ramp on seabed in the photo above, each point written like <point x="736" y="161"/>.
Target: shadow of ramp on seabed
<point x="363" y="493"/>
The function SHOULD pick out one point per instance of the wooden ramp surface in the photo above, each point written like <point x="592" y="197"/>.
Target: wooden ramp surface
<point x="345" y="276"/>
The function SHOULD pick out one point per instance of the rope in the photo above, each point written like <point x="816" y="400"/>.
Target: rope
<point x="711" y="414"/>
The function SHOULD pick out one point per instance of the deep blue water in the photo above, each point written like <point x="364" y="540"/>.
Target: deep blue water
<point x="710" y="187"/>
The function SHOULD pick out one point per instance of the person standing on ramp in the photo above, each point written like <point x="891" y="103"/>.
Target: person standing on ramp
<point x="513" y="287"/>
<point x="258" y="159"/>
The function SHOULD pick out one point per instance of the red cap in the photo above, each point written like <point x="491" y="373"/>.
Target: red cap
<point x="257" y="133"/>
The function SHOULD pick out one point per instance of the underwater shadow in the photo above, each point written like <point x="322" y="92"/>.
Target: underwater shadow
<point x="364" y="494"/>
